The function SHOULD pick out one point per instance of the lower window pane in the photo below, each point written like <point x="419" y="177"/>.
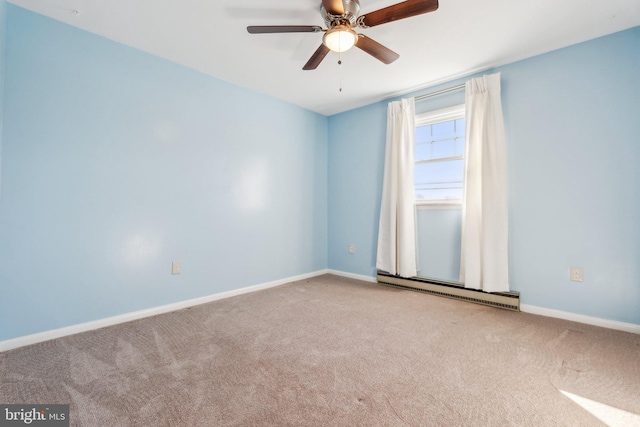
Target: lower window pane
<point x="439" y="180"/>
<point x="439" y="194"/>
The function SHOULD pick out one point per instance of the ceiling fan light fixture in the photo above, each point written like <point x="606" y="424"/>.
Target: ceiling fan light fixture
<point x="340" y="38"/>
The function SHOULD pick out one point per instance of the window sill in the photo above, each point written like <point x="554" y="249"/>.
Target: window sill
<point x="438" y="205"/>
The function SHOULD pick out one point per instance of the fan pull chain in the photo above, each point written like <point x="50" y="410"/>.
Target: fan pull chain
<point x="340" y="70"/>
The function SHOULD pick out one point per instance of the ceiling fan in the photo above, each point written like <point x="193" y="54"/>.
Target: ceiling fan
<point x="341" y="17"/>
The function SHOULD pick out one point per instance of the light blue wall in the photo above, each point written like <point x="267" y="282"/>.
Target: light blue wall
<point x="356" y="149"/>
<point x="573" y="131"/>
<point x="3" y="26"/>
<point x="572" y="125"/>
<point x="116" y="162"/>
<point x="439" y="232"/>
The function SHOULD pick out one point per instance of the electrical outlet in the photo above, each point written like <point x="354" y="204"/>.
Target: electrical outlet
<point x="352" y="248"/>
<point x="176" y="267"/>
<point x="575" y="274"/>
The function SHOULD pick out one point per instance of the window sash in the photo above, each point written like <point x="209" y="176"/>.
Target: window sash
<point x="439" y="159"/>
<point x="431" y="118"/>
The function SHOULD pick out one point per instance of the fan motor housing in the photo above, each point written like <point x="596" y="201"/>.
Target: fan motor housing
<point x="351" y="12"/>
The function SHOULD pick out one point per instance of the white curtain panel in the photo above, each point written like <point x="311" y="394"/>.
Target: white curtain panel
<point x="396" y="233"/>
<point x="485" y="260"/>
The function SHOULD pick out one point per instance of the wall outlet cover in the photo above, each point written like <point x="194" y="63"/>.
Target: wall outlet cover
<point x="176" y="267"/>
<point x="575" y="274"/>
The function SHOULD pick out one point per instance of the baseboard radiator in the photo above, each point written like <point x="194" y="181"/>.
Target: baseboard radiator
<point x="506" y="300"/>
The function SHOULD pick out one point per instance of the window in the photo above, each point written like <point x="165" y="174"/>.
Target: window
<point x="439" y="157"/>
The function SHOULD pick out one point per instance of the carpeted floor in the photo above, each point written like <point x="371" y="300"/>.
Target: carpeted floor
<point x="331" y="351"/>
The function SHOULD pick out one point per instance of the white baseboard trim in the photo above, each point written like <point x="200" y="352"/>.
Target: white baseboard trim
<point x="526" y="308"/>
<point x="13" y="343"/>
<point x="596" y="321"/>
<point x="353" y="276"/>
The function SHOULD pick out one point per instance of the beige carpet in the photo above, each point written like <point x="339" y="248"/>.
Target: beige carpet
<point x="331" y="351"/>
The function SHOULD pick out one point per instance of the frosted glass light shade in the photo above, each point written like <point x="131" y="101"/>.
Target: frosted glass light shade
<point x="340" y="38"/>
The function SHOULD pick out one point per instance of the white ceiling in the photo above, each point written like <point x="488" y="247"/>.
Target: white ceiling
<point x="461" y="37"/>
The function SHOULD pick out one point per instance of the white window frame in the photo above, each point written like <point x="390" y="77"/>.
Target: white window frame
<point x="430" y="118"/>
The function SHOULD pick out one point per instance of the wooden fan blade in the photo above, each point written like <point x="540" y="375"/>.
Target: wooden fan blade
<point x="269" y="29"/>
<point x="403" y="10"/>
<point x="316" y="58"/>
<point x="333" y="7"/>
<point x="376" y="50"/>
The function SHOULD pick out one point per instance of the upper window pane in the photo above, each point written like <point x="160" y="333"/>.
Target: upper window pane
<point x="444" y="148"/>
<point x="444" y="130"/>
<point x="459" y="146"/>
<point x="460" y="127"/>
<point x="423" y="134"/>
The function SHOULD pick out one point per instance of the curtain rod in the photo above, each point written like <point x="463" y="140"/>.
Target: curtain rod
<point x="439" y="92"/>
